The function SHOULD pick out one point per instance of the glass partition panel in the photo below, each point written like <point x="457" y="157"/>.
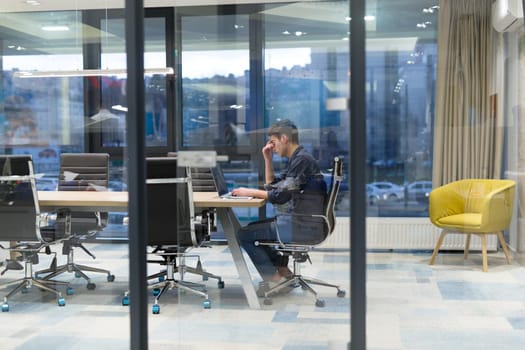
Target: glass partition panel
<point x="44" y="113"/>
<point x="400" y="85"/>
<point x="41" y="116"/>
<point x="243" y="69"/>
<point x="306" y="71"/>
<point x="113" y="99"/>
<point x="215" y="80"/>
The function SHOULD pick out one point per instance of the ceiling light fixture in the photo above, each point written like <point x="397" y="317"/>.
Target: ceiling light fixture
<point x="87" y="73"/>
<point x="431" y="9"/>
<point x="423" y="25"/>
<point x="55" y="28"/>
<point x="32" y="2"/>
<point x="366" y="18"/>
<point x="120" y="108"/>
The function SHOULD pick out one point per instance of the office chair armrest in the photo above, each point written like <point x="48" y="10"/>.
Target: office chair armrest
<point x="287" y="246"/>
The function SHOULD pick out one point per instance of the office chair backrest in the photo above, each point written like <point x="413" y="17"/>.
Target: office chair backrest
<point x="170" y="208"/>
<point x="202" y="178"/>
<point x="84" y="172"/>
<point x="337" y="177"/>
<point x="19" y="209"/>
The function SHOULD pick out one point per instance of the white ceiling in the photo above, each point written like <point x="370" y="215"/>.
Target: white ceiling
<point x="55" y="5"/>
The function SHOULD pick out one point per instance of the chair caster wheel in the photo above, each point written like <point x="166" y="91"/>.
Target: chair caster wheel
<point x="5" y="307"/>
<point x="207" y="304"/>
<point x="161" y="279"/>
<point x="125" y="301"/>
<point x="220" y="284"/>
<point x="61" y="301"/>
<point x="155" y="309"/>
<point x="204" y="278"/>
<point x="70" y="291"/>
<point x="319" y="303"/>
<point x="91" y="286"/>
<point x="111" y="278"/>
<point x="26" y="290"/>
<point x="268" y="301"/>
<point x="156" y="292"/>
<point x="341" y="293"/>
<point x="77" y="274"/>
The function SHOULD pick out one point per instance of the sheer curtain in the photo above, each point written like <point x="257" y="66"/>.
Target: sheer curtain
<point x="468" y="136"/>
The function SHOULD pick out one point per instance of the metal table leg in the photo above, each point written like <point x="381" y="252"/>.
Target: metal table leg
<point x="230" y="225"/>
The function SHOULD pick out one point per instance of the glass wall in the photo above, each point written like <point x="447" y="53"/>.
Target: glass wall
<point x="237" y="70"/>
<point x="51" y="103"/>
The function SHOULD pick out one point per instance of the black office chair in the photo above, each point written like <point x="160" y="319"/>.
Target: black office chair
<point x="81" y="172"/>
<point x="20" y="224"/>
<point x="201" y="181"/>
<point x="173" y="227"/>
<point x="300" y="251"/>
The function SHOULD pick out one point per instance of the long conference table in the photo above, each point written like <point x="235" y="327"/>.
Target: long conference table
<point x="118" y="202"/>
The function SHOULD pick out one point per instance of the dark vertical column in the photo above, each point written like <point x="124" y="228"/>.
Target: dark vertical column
<point x="357" y="175"/>
<point x="257" y="95"/>
<point x="91" y="54"/>
<point x="136" y="173"/>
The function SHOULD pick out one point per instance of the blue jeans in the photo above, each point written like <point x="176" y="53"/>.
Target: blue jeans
<point x="265" y="259"/>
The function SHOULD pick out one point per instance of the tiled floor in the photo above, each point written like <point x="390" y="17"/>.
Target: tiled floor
<point x="411" y="305"/>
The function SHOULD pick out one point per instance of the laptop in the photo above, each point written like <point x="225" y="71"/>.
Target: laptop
<point x="222" y="186"/>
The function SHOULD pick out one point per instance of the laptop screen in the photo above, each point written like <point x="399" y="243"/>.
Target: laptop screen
<point x="220" y="181"/>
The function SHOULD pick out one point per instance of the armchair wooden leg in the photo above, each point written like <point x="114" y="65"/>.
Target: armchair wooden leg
<point x="504" y="246"/>
<point x="438" y="245"/>
<point x="467" y="246"/>
<point x="484" y="252"/>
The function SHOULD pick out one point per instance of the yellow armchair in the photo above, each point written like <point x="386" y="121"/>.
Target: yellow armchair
<point x="473" y="206"/>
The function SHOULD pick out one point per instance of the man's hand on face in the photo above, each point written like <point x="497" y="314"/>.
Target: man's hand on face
<point x="268" y="149"/>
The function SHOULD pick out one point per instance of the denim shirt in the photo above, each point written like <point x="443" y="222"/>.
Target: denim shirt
<point x="299" y="190"/>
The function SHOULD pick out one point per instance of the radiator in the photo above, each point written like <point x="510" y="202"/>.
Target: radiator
<point x="402" y="233"/>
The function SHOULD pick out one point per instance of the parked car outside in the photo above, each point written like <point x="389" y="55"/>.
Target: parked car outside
<point x="388" y="191"/>
<point x="372" y="195"/>
<point x="419" y="191"/>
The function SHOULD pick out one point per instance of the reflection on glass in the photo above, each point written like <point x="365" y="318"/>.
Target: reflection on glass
<point x="113" y="89"/>
<point x="306" y="64"/>
<point x="215" y="67"/>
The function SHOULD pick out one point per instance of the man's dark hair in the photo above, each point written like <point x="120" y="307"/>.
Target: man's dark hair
<point x="285" y="127"/>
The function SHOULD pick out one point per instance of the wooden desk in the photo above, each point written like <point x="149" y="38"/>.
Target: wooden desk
<point x="118" y="201"/>
<point x="83" y="201"/>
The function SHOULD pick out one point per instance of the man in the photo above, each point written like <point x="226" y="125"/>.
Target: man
<point x="298" y="192"/>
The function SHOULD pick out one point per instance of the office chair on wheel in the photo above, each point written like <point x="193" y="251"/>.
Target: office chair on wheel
<point x="201" y="181"/>
<point x="173" y="228"/>
<point x="20" y="222"/>
<point x="299" y="252"/>
<point x="81" y="172"/>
